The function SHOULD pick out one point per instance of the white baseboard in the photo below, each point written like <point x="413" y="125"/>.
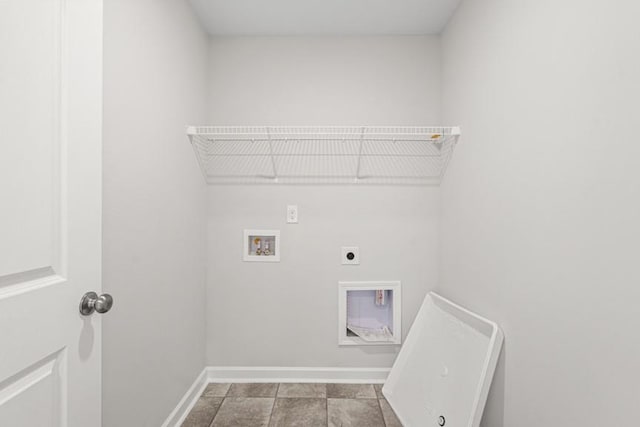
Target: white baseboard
<point x="272" y="374"/>
<point x="178" y="415"/>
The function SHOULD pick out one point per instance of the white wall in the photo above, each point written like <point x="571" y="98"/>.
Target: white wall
<point x="541" y="205"/>
<point x="154" y="209"/>
<point x="325" y="80"/>
<point x="285" y="314"/>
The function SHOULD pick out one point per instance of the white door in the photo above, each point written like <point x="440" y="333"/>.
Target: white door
<point x="50" y="203"/>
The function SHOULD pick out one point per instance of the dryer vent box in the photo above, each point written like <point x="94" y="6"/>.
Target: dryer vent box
<point x="369" y="313"/>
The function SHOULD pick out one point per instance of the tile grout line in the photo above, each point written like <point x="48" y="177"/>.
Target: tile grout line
<point x="218" y="410"/>
<point x="274" y="404"/>
<point x="326" y="401"/>
<point x="380" y="407"/>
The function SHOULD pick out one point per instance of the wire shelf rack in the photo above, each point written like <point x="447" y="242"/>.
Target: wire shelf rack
<point x="323" y="155"/>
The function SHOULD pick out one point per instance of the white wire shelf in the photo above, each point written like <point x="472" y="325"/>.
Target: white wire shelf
<point x="323" y="155"/>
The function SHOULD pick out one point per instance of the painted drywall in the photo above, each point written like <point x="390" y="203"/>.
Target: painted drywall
<point x="324" y="80"/>
<point x="154" y="209"/>
<point x="285" y="314"/>
<point x="541" y="203"/>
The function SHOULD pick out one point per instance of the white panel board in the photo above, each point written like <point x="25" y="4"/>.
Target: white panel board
<point x="444" y="370"/>
<point x="29" y="74"/>
<point x="41" y="387"/>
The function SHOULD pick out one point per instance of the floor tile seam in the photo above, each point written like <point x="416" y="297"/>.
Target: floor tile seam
<point x="226" y="393"/>
<point x="273" y="406"/>
<point x="384" y="420"/>
<point x="327" y="404"/>
<point x="300" y="397"/>
<point x="354" y="398"/>
<point x="217" y="411"/>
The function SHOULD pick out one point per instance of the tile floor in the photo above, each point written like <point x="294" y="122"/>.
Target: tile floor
<point x="288" y="405"/>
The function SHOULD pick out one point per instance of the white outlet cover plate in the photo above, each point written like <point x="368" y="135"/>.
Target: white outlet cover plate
<point x="292" y="214"/>
<point x="350" y="249"/>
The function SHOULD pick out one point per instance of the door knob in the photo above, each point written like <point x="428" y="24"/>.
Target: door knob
<point x="91" y="302"/>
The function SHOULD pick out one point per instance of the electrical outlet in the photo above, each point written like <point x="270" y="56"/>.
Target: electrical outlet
<point x="350" y="255"/>
<point x="292" y="214"/>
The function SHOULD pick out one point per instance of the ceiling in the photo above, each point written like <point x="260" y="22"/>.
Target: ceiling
<point x="324" y="17"/>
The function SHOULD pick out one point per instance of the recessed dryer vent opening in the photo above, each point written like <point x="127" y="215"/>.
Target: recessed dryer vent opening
<point x="369" y="313"/>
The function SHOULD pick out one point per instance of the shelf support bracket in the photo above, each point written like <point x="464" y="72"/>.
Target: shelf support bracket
<point x="360" y="154"/>
<point x="273" y="160"/>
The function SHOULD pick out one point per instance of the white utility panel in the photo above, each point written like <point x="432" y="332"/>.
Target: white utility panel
<point x="292" y="214"/>
<point x="350" y="255"/>
<point x="443" y="373"/>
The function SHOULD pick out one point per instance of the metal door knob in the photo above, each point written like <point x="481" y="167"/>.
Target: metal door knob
<point x="91" y="302"/>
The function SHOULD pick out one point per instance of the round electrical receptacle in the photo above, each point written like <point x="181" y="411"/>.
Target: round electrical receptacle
<point x="350" y="256"/>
